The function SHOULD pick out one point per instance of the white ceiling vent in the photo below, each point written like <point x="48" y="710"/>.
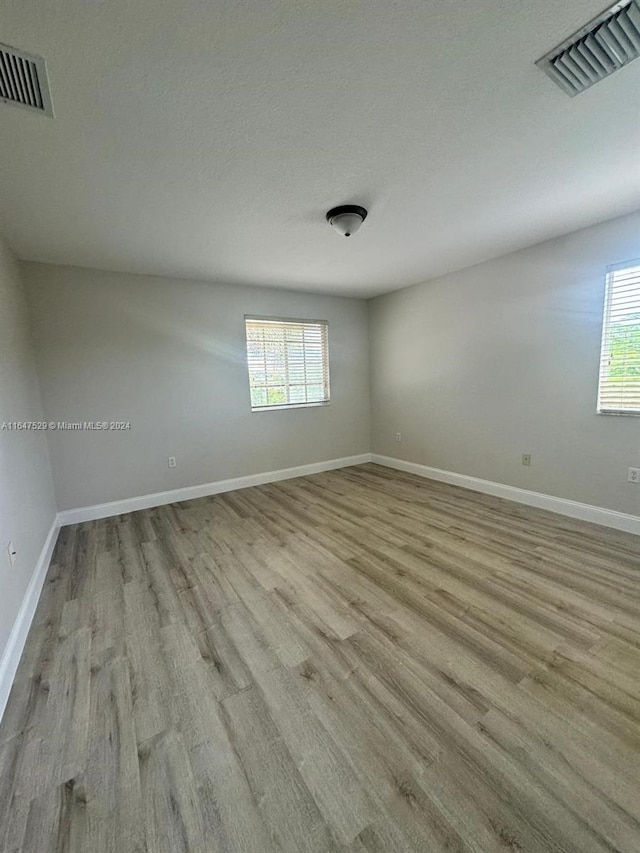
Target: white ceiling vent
<point x="23" y="81"/>
<point x="601" y="47"/>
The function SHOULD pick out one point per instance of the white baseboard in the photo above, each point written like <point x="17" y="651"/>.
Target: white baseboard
<point x="18" y="636"/>
<point x="90" y="513"/>
<point x="562" y="506"/>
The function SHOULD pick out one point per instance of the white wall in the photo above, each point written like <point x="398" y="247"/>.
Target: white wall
<point x="27" y="507"/>
<point x="477" y="367"/>
<point x="473" y="368"/>
<point x="169" y="356"/>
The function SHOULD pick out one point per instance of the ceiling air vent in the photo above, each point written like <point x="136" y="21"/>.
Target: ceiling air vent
<point x="23" y="81"/>
<point x="601" y="47"/>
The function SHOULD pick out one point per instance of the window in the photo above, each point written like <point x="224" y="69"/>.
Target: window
<point x="288" y="362"/>
<point x="619" y="389"/>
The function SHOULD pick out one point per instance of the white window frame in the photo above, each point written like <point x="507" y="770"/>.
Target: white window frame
<point x="316" y="326"/>
<point x="622" y="296"/>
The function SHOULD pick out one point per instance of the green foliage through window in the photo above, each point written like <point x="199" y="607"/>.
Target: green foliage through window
<point x="619" y="388"/>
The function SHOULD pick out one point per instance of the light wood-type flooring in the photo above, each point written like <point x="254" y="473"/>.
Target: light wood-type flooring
<point x="359" y="661"/>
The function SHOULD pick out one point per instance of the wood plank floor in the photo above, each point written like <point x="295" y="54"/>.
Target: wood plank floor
<point x="357" y="661"/>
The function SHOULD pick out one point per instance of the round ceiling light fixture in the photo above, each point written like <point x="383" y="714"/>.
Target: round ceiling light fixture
<point x="347" y="218"/>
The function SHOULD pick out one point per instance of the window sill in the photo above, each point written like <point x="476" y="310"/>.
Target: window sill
<point x="286" y="406"/>
<point x="620" y="414"/>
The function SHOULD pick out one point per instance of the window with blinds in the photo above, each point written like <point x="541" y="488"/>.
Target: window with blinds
<point x="288" y="362"/>
<point x="619" y="388"/>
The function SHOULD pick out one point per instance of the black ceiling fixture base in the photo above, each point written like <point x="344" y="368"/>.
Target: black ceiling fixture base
<point x="347" y="208"/>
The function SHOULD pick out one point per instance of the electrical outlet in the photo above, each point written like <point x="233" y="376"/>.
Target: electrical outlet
<point x="398" y="436"/>
<point x="634" y="475"/>
<point x="172" y="462"/>
<point x="526" y="459"/>
<point x="13" y="554"/>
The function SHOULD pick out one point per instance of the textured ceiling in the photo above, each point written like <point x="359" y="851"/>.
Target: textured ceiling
<point x="207" y="138"/>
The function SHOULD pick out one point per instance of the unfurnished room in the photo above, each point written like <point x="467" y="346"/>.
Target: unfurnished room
<point x="319" y="426"/>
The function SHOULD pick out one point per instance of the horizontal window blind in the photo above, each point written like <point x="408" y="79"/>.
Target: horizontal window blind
<point x="619" y="388"/>
<point x="288" y="362"/>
